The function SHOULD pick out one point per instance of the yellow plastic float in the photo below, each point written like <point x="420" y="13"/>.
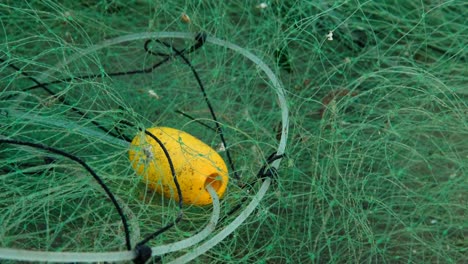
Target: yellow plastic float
<point x="195" y="163"/>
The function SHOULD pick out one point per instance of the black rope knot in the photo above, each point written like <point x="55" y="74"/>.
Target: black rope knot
<point x="143" y="253"/>
<point x="200" y="38"/>
<point x="267" y="171"/>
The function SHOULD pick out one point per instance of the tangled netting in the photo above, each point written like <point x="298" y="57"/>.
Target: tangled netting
<point x="77" y="119"/>
<point x="377" y="154"/>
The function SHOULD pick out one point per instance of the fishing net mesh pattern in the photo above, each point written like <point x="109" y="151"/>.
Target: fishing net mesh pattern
<point x="376" y="164"/>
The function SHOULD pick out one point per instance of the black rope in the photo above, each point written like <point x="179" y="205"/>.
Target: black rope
<point x="171" y="165"/>
<point x="201" y="39"/>
<point x="197" y="45"/>
<point x="89" y="76"/>
<point x="266" y="171"/>
<point x="86" y="167"/>
<point x="143" y="252"/>
<point x="62" y="100"/>
<point x="141" y="248"/>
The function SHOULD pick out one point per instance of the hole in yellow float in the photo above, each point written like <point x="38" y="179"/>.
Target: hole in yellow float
<point x="196" y="165"/>
<point x="214" y="180"/>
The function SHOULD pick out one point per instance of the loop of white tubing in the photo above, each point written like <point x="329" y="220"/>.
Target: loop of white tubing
<point x="36" y="256"/>
<point x="176" y="246"/>
<point x="228" y="229"/>
<point x="278" y="86"/>
<point x="81" y="257"/>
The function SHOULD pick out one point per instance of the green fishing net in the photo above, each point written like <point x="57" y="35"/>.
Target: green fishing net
<point x="375" y="169"/>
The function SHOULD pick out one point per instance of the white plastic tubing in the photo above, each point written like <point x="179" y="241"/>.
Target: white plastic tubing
<point x="61" y="257"/>
<point x="38" y="256"/>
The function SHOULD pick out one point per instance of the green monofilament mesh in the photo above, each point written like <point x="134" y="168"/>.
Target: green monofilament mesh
<point x="377" y="158"/>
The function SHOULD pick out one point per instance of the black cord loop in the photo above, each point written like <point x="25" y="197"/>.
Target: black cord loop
<point x="143" y="254"/>
<point x="201" y="40"/>
<point x="86" y="167"/>
<point x="266" y="171"/>
<point x="179" y="193"/>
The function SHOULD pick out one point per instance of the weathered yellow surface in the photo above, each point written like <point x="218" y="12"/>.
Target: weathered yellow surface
<point x="195" y="163"/>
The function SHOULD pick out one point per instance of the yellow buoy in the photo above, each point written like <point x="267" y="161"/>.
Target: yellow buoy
<point x="195" y="163"/>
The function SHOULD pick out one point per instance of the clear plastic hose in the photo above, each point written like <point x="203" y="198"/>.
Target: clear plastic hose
<point x="228" y="229"/>
<point x="83" y="257"/>
<point x="37" y="256"/>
